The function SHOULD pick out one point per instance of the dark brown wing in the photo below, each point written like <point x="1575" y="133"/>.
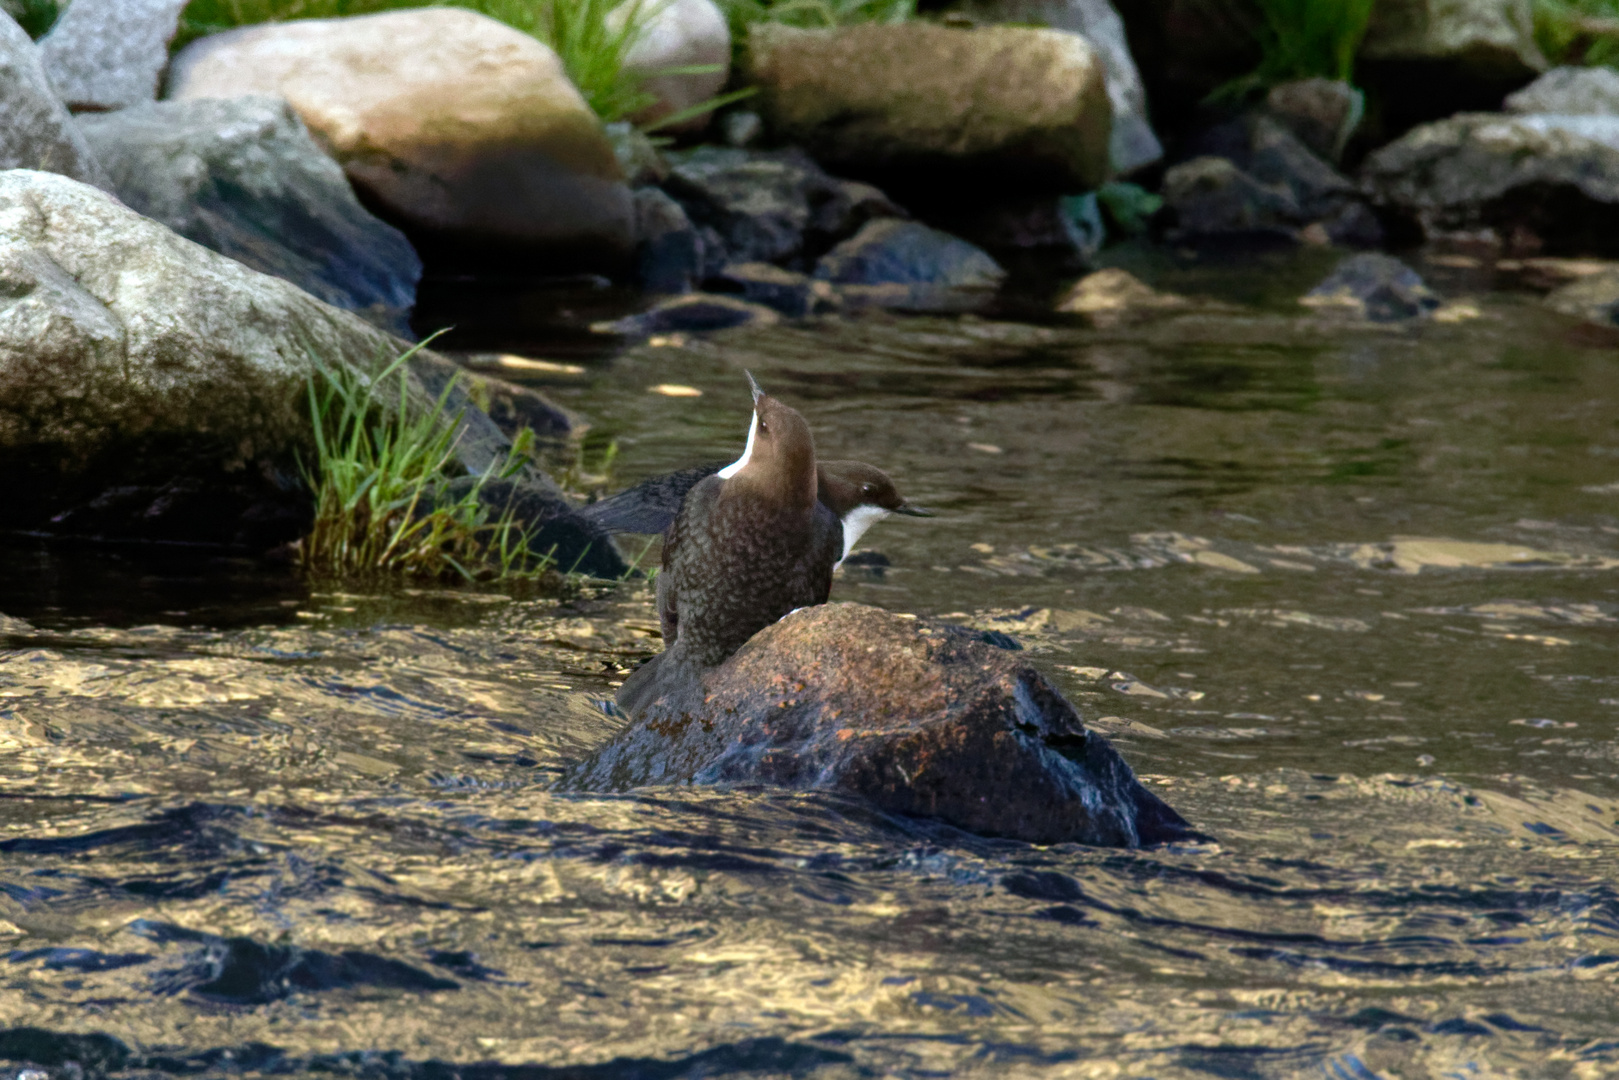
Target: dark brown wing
<point x="699" y="501"/>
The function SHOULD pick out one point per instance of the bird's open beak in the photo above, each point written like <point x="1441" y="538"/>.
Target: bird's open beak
<point x="910" y="510"/>
<point x="754" y="385"/>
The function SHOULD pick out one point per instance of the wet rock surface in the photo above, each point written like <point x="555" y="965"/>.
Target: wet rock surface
<point x="917" y="103"/>
<point x="695" y="312"/>
<point x="1373" y="287"/>
<point x="1112" y="296"/>
<point x="1570" y="91"/>
<point x="793" y="294"/>
<point x="920" y="720"/>
<point x="140" y="372"/>
<point x="906" y="265"/>
<point x="459" y="129"/>
<point x="109" y="54"/>
<point x="668" y="247"/>
<point x="242" y="176"/>
<point x="1594" y="298"/>
<point x="38" y="132"/>
<point x="1541" y="184"/>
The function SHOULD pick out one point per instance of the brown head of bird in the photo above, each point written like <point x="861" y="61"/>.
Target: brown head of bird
<point x="779" y="460"/>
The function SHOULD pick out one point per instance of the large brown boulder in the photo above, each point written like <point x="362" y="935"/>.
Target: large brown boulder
<point x="923" y="720"/>
<point x="458" y="128"/>
<point x="927" y="105"/>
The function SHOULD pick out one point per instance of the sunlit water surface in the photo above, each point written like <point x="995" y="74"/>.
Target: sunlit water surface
<point x="1347" y="598"/>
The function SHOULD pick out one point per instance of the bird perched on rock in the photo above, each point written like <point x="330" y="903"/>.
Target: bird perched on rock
<point x="751" y="543"/>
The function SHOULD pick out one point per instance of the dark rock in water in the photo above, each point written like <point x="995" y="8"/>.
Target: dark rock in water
<point x="514" y="408"/>
<point x="556" y="529"/>
<point x="776" y="206"/>
<point x="37" y="132"/>
<point x="109" y="54"/>
<point x="1594" y="298"/>
<point x="1374" y="287"/>
<point x="668" y="248"/>
<point x="906" y="265"/>
<point x="242" y="176"/>
<point x="1321" y="113"/>
<point x="1569" y="91"/>
<point x="637" y="155"/>
<point x="787" y="291"/>
<point x="1069" y="228"/>
<point x="1211" y="196"/>
<point x="696" y="312"/>
<point x="1545" y="184"/>
<point x="1272" y="183"/>
<point x="915" y="718"/>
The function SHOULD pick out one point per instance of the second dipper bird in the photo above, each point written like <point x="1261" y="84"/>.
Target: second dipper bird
<point x="751" y="543"/>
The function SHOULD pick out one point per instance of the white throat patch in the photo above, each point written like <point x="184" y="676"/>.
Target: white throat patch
<point x="855" y="523"/>
<point x="747" y="452"/>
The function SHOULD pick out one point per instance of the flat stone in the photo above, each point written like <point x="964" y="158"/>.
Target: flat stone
<point x="793" y="294"/>
<point x="694" y="312"/>
<point x="1594" y="298"/>
<point x="1373" y="287"/>
<point x="927" y="104"/>
<point x="242" y="176"/>
<point x="917" y="719"/>
<point x="1111" y="296"/>
<point x="457" y="128"/>
<point x="38" y="132"/>
<point x="1570" y="91"/>
<point x="110" y="54"/>
<point x="1542" y="184"/>
<point x="914" y="268"/>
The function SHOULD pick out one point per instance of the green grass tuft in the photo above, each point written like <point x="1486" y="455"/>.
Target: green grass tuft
<point x="381" y="468"/>
<point x="1301" y="39"/>
<point x="812" y="14"/>
<point x="1578" y="31"/>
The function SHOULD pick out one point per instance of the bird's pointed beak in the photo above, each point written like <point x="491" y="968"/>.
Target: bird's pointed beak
<point x="911" y="510"/>
<point x="754" y="385"/>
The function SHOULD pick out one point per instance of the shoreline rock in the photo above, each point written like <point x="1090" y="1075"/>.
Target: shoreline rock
<point x="458" y="129"/>
<point x="38" y="132"/>
<point x="109" y="54"/>
<point x="920" y="720"/>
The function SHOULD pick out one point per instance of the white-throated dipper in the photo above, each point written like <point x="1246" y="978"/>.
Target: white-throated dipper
<point x="751" y="543"/>
<point x="860" y="495"/>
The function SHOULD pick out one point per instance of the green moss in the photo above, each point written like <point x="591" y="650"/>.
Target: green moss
<point x="1578" y="31"/>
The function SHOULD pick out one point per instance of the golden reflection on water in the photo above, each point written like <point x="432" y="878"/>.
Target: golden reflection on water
<point x="1383" y="676"/>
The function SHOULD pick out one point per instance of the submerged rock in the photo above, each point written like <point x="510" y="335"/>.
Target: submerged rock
<point x="459" y="129"/>
<point x="132" y="358"/>
<point x="775" y="206"/>
<point x="1109" y="297"/>
<point x="1536" y="184"/>
<point x="694" y="312"/>
<point x="242" y="176"/>
<point x="1374" y="287"/>
<point x="37" y="132"/>
<point x="109" y="54"/>
<point x="1594" y="298"/>
<point x="919" y="720"/>
<point x="906" y="265"/>
<point x="678" y="36"/>
<point x="1569" y="91"/>
<point x="793" y="294"/>
<point x="1015" y="107"/>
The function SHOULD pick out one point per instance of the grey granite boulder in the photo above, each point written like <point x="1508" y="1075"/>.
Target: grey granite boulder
<point x="133" y="358"/>
<point x="908" y="266"/>
<point x="110" y="54"/>
<point x="1569" y="91"/>
<point x="1546" y="184"/>
<point x="920" y="720"/>
<point x="36" y="131"/>
<point x="242" y="176"/>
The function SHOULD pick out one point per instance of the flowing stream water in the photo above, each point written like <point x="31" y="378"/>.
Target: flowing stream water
<point x="1346" y="597"/>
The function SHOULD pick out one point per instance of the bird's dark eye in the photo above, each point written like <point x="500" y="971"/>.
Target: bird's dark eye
<point x="866" y="489"/>
<point x="763" y="426"/>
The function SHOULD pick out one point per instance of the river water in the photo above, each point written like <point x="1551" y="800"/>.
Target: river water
<point x="1348" y="598"/>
